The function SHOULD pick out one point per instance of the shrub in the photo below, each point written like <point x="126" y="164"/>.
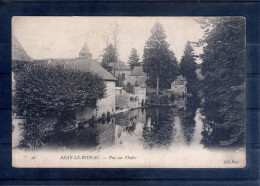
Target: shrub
<point x="129" y="88"/>
<point x="163" y="99"/>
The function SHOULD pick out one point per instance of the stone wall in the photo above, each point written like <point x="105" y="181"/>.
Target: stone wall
<point x="104" y="105"/>
<point x="178" y="90"/>
<point x="126" y="100"/>
<point x="122" y="101"/>
<point x="107" y="104"/>
<point x="140" y="92"/>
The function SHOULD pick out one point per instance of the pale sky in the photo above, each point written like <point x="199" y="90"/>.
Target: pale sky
<point x="63" y="37"/>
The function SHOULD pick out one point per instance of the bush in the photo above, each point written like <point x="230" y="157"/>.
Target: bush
<point x="129" y="88"/>
<point x="163" y="99"/>
<point x="153" y="99"/>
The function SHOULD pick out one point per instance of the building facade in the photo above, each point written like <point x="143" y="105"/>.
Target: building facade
<point x="138" y="77"/>
<point x="121" y="70"/>
<point x="105" y="106"/>
<point x="179" y="86"/>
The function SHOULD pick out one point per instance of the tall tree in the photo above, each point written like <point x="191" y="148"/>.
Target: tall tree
<point x="223" y="69"/>
<point x="134" y="59"/>
<point x="109" y="56"/>
<point x="188" y="68"/>
<point x="159" y="61"/>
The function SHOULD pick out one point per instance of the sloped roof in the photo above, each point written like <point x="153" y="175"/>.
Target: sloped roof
<point x="18" y="52"/>
<point x="88" y="65"/>
<point x="181" y="78"/>
<point x="138" y="71"/>
<point x="119" y="66"/>
<point x="85" y="49"/>
<point x="179" y="81"/>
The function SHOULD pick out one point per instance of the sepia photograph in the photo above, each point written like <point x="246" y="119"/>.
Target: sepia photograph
<point x="128" y="92"/>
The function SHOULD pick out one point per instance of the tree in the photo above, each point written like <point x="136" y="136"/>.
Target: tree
<point x="188" y="68"/>
<point x="134" y="59"/>
<point x="159" y="61"/>
<point x="44" y="91"/>
<point x="223" y="69"/>
<point x="109" y="56"/>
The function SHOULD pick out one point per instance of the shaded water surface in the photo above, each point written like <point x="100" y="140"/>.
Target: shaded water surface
<point x="156" y="127"/>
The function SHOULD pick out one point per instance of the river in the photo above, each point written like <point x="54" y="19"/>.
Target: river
<point x="162" y="131"/>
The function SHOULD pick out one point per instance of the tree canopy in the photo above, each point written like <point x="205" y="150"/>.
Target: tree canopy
<point x="134" y="59"/>
<point x="109" y="56"/>
<point x="159" y="61"/>
<point x="188" y="68"/>
<point x="44" y="91"/>
<point x="223" y="69"/>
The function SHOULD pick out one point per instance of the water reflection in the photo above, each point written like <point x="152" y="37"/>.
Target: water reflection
<point x="164" y="127"/>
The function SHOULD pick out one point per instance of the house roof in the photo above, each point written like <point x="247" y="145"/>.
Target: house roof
<point x="138" y="71"/>
<point x="181" y="78"/>
<point x="120" y="66"/>
<point x="85" y="49"/>
<point x="179" y="81"/>
<point x="18" y="52"/>
<point x="88" y="65"/>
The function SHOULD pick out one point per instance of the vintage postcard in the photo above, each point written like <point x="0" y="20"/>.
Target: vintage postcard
<point x="128" y="92"/>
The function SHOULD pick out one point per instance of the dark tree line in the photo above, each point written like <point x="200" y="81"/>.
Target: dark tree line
<point x="223" y="69"/>
<point x="188" y="69"/>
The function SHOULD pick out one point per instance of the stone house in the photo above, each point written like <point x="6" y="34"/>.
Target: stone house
<point x="121" y="70"/>
<point x="138" y="77"/>
<point x="125" y="100"/>
<point x="179" y="86"/>
<point x="86" y="63"/>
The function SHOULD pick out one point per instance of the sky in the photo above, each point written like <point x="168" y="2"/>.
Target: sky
<point x="63" y="37"/>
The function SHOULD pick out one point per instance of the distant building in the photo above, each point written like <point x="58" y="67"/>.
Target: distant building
<point x="121" y="69"/>
<point x="179" y="86"/>
<point x="138" y="77"/>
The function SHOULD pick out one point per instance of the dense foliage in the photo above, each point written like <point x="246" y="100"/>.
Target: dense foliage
<point x="133" y="59"/>
<point x="159" y="61"/>
<point x="44" y="91"/>
<point x="223" y="69"/>
<point x="109" y="56"/>
<point x="129" y="88"/>
<point x="188" y="69"/>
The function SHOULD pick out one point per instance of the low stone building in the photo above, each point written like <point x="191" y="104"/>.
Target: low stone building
<point x="179" y="86"/>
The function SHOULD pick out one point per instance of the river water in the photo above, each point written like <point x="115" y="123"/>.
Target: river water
<point x="163" y="131"/>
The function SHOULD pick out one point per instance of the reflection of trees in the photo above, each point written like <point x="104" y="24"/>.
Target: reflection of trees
<point x="224" y="134"/>
<point x="188" y="118"/>
<point x="159" y="133"/>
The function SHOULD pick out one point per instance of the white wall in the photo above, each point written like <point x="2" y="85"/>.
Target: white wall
<point x="107" y="104"/>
